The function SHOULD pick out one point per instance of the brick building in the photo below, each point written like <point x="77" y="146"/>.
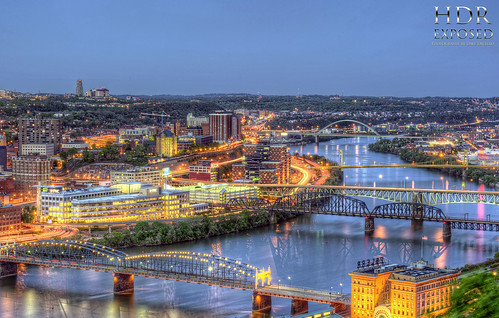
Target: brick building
<point x="10" y="218"/>
<point x="204" y="170"/>
<point x="27" y="172"/>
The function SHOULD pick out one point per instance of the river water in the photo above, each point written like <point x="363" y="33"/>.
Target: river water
<point x="315" y="251"/>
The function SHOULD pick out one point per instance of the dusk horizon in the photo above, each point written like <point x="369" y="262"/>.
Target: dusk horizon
<point x="197" y="47"/>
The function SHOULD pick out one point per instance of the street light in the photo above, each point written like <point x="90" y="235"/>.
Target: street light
<point x="278" y="284"/>
<point x="341" y="289"/>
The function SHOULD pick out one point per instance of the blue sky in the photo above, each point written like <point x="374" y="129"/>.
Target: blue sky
<point x="358" y="47"/>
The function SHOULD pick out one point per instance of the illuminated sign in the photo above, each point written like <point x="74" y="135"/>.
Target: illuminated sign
<point x="166" y="171"/>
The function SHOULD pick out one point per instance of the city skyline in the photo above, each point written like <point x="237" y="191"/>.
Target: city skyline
<point x="191" y="48"/>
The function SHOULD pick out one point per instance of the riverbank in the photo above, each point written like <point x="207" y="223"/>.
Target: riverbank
<point x="396" y="147"/>
<point x="190" y="230"/>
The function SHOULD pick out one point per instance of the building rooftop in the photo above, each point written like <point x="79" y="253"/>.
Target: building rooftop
<point x="167" y="133"/>
<point x="421" y="271"/>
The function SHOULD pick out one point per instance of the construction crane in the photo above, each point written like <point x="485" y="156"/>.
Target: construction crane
<point x="162" y="115"/>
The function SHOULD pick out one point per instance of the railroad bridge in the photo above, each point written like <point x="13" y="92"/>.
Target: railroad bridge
<point x="338" y="204"/>
<point x="188" y="267"/>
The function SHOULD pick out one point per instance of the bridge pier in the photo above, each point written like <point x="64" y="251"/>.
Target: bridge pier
<point x="109" y="229"/>
<point x="338" y="307"/>
<point x="447" y="232"/>
<point x="261" y="302"/>
<point x="298" y="307"/>
<point x="317" y="140"/>
<point x="417" y="225"/>
<point x="123" y="283"/>
<point x="369" y="225"/>
<point x="8" y="269"/>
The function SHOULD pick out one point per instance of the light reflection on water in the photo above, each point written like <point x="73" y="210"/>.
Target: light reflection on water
<point x="313" y="251"/>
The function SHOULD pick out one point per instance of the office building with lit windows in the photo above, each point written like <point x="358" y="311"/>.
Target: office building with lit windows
<point x="400" y="291"/>
<point x="166" y="144"/>
<point x="133" y="201"/>
<point x="218" y="193"/>
<point x="147" y="175"/>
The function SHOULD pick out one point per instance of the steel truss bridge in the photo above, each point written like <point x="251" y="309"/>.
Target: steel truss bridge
<point x="189" y="267"/>
<point x="185" y="266"/>
<point x="424" y="196"/>
<point x="339" y="204"/>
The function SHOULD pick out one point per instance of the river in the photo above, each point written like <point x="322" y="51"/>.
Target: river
<point x="315" y="251"/>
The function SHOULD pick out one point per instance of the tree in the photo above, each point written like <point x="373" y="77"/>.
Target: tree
<point x="72" y="151"/>
<point x="87" y="156"/>
<point x="28" y="214"/>
<point x="475" y="296"/>
<point x="64" y="156"/>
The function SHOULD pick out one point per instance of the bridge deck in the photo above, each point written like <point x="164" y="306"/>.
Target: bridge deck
<point x="312" y="295"/>
<point x="134" y="271"/>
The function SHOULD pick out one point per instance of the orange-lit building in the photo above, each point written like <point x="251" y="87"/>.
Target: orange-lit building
<point x="395" y="291"/>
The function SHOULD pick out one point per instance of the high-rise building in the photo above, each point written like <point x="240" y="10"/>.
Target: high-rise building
<point x="225" y="126"/>
<point x="396" y="291"/>
<point x="264" y="163"/>
<point x="166" y="144"/>
<point x="40" y="131"/>
<point x="79" y="88"/>
<point x="27" y="172"/>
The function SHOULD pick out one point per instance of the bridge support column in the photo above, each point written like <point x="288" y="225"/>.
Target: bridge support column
<point x="89" y="229"/>
<point x="299" y="307"/>
<point x="8" y="269"/>
<point x="447" y="232"/>
<point x="417" y="225"/>
<point x="109" y="229"/>
<point x="123" y="283"/>
<point x="369" y="225"/>
<point x="317" y="139"/>
<point x="261" y="302"/>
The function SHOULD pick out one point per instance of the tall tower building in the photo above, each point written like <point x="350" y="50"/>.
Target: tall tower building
<point x="79" y="88"/>
<point x="40" y="131"/>
<point x="225" y="126"/>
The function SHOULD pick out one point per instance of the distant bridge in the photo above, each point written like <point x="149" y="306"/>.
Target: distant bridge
<point x="338" y="204"/>
<point x="424" y="196"/>
<point x="189" y="267"/>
